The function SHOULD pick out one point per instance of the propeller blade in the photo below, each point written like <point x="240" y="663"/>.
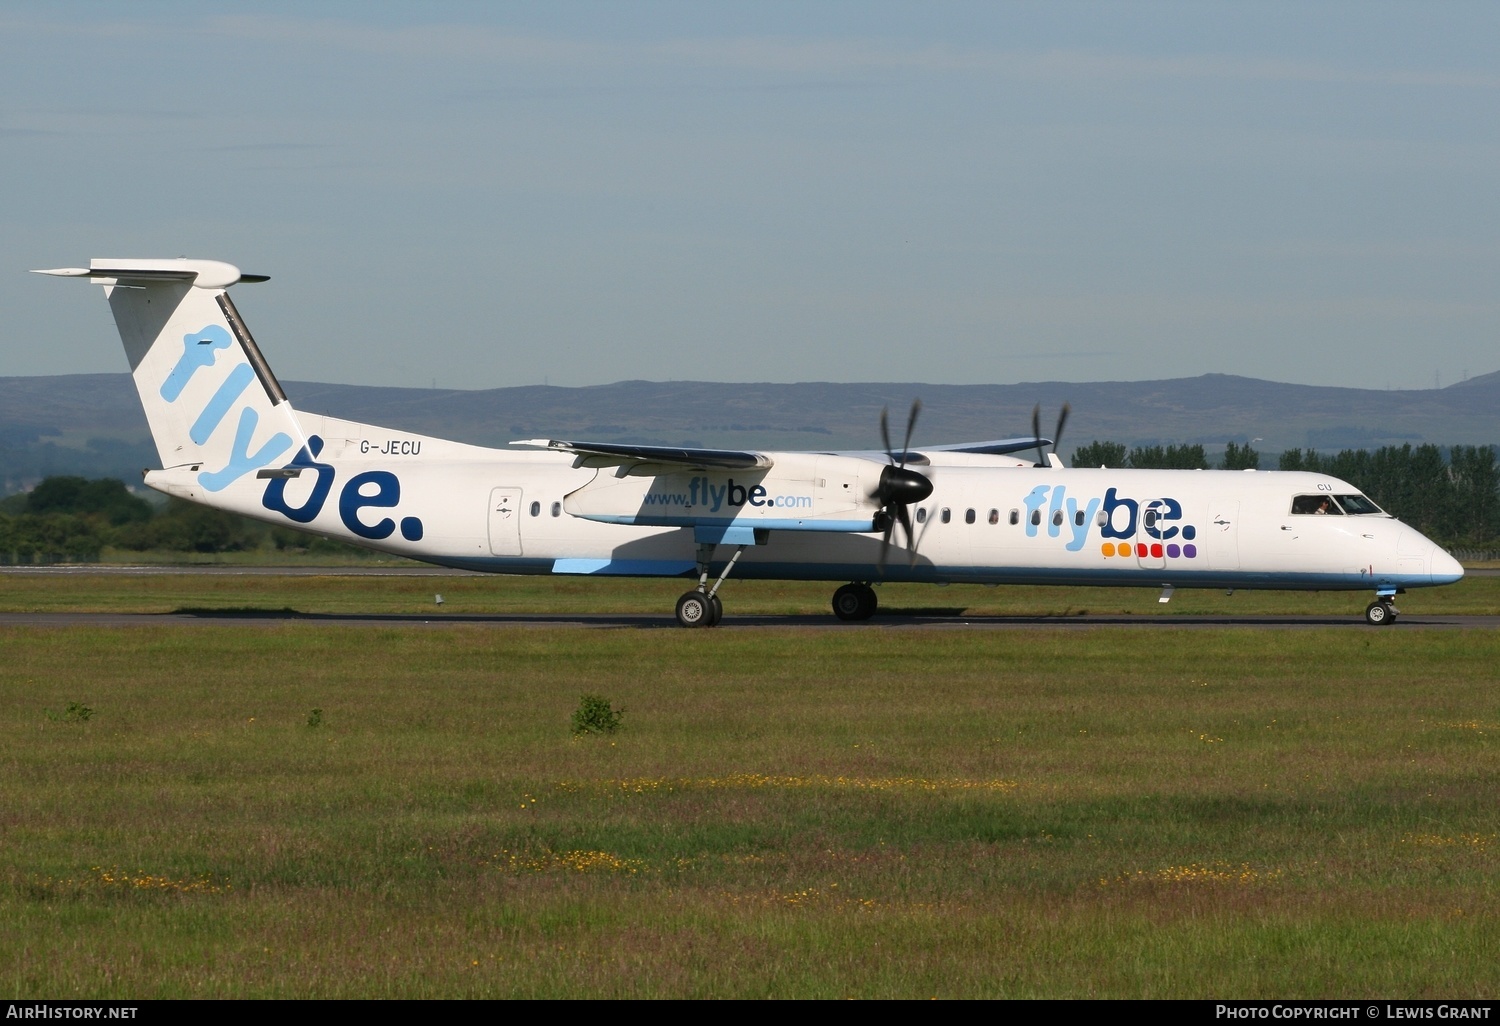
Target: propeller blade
<point x="1062" y="418"/>
<point x="911" y="423"/>
<point x="1036" y="432"/>
<point x="885" y="541"/>
<point x="911" y="533"/>
<point x="916" y="541"/>
<point x="899" y="487"/>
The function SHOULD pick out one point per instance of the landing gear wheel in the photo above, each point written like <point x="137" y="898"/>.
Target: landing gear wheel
<point x="717" y="612"/>
<point x="854" y="602"/>
<point x="1380" y="614"/>
<point x="695" y="610"/>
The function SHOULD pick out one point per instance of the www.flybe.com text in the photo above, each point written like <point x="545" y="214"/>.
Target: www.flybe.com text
<point x="702" y="492"/>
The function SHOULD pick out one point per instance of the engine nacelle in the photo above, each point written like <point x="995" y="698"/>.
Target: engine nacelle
<point x="801" y="492"/>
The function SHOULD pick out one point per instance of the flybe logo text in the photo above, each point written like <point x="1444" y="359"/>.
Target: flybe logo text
<point x="1115" y="516"/>
<point x="200" y="351"/>
<point x="701" y="491"/>
<point x="370" y="490"/>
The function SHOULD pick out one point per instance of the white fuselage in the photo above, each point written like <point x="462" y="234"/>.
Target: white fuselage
<point x="988" y="520"/>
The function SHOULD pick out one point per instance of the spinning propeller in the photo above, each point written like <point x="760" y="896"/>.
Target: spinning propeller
<point x="899" y="487"/>
<point x="1036" y="431"/>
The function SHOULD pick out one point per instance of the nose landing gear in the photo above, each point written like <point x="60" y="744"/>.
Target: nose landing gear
<point x="1381" y="613"/>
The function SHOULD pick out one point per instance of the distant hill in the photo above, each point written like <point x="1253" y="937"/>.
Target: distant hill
<point x="95" y="421"/>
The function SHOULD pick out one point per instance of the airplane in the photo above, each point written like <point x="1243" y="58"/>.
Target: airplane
<point x="969" y="513"/>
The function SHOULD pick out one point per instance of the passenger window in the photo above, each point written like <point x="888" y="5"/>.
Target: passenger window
<point x="968" y="516"/>
<point x="1316" y="505"/>
<point x="1150" y="518"/>
<point x="536" y="509"/>
<point x="947" y="514"/>
<point x="557" y="509"/>
<point x="1078" y="518"/>
<point x="921" y="516"/>
<point x="1057" y="519"/>
<point x="1036" y="517"/>
<point x="1102" y="518"/>
<point x="1015" y="517"/>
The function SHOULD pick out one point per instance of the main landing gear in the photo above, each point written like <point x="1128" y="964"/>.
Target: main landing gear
<point x="701" y="607"/>
<point x="855" y="602"/>
<point x="1381" y="613"/>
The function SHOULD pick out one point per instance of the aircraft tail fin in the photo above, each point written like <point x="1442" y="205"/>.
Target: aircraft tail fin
<point x="214" y="407"/>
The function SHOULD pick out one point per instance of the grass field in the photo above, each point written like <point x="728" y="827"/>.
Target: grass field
<point x="302" y="810"/>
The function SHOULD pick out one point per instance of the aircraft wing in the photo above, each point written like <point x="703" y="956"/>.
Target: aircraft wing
<point x="610" y="454"/>
<point x="647" y="458"/>
<point x="995" y="447"/>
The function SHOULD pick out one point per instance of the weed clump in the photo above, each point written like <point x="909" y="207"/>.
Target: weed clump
<point x="315" y="718"/>
<point x="73" y="712"/>
<point x="595" y="715"/>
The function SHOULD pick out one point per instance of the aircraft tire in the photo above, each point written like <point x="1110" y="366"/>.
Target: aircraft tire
<point x="695" y="610"/>
<point x="854" y="602"/>
<point x="1379" y="614"/>
<point x="717" y="613"/>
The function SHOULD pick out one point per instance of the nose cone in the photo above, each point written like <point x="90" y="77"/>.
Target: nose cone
<point x="1445" y="569"/>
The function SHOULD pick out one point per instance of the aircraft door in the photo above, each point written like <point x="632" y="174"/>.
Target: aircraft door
<point x="1222" y="536"/>
<point x="505" y="521"/>
<point x="1150" y="553"/>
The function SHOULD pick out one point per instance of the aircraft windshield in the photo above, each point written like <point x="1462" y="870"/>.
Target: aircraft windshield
<point x="1359" y="506"/>
<point x="1320" y="505"/>
<point x="1334" y="506"/>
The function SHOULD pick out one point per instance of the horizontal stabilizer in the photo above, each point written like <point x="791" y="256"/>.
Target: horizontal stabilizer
<point x="608" y="454"/>
<point x="205" y="274"/>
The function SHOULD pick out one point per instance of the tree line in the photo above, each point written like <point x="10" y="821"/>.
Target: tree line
<point x="1451" y="494"/>
<point x="73" y="519"/>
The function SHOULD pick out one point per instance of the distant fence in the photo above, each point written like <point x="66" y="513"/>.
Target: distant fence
<point x="43" y="558"/>
<point x="1475" y="555"/>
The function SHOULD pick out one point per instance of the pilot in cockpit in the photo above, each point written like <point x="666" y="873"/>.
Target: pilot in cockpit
<point x="1316" y="505"/>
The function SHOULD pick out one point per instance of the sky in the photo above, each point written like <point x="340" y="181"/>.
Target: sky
<point x="479" y="195"/>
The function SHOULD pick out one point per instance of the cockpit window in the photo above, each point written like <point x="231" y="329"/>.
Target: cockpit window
<point x="1359" y="506"/>
<point x="1316" y="505"/>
